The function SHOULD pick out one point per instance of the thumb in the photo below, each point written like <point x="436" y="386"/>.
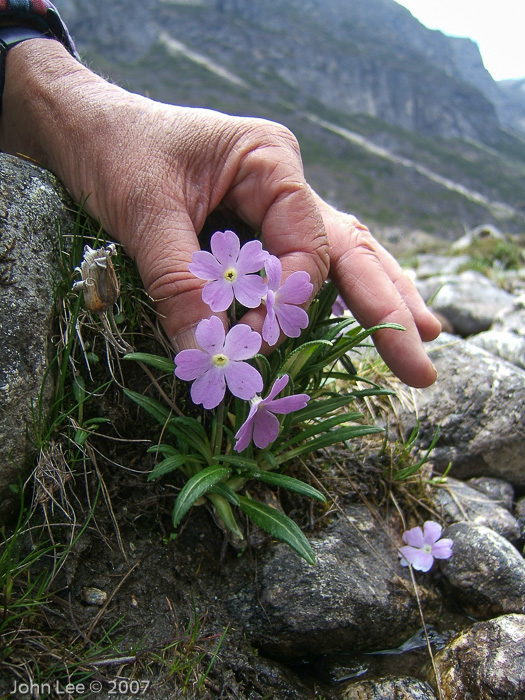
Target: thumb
<point x="162" y="258"/>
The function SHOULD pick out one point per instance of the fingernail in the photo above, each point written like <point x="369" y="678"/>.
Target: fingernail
<point x="185" y="338"/>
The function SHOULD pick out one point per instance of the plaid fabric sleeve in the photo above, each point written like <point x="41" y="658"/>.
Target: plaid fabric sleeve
<point x="39" y="14"/>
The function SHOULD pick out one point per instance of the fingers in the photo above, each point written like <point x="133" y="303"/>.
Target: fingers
<point x="270" y="193"/>
<point x="377" y="291"/>
<point x="163" y="258"/>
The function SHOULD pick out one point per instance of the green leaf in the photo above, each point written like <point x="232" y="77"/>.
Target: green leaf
<point x="287" y="482"/>
<point x="237" y="462"/>
<point x="190" y="431"/>
<point x="262" y="364"/>
<point x="196" y="487"/>
<point x="167" y="465"/>
<point x="153" y="407"/>
<point x="278" y="525"/>
<point x="297" y="359"/>
<point x="323" y="407"/>
<point x="330" y="438"/>
<point x="79" y="388"/>
<point x="324" y="426"/>
<point x="162" y="363"/>
<point x="225" y="492"/>
<point x="223" y="507"/>
<point x="163" y="449"/>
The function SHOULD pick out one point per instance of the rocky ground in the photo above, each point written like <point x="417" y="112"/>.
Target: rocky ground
<point x="137" y="610"/>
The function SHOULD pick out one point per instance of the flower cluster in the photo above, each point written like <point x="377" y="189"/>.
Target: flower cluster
<point x="232" y="273"/>
<point x="424" y="545"/>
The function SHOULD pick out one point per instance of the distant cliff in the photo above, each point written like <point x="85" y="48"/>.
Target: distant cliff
<point x="398" y="122"/>
<point x="358" y="56"/>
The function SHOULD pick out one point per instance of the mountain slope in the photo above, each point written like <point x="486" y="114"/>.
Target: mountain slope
<point x="396" y="122"/>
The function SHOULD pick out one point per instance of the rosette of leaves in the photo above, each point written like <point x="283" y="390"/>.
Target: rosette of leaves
<point x="201" y="447"/>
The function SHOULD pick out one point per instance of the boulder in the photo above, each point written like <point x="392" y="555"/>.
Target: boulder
<point x="485" y="570"/>
<point x="469" y="300"/>
<point x="478" y="403"/>
<point x="383" y="688"/>
<point x="505" y="344"/>
<point x="35" y="212"/>
<point x="459" y="502"/>
<point x="484" y="662"/>
<point x="357" y="596"/>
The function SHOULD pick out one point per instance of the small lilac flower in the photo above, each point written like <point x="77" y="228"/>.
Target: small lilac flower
<point x="424" y="545"/>
<point x="339" y="307"/>
<point x="227" y="269"/>
<point x="261" y="423"/>
<point x="282" y="311"/>
<point x="220" y="362"/>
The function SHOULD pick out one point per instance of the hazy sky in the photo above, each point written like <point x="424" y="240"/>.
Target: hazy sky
<point x="497" y="26"/>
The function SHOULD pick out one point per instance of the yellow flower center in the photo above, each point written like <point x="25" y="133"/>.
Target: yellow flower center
<point x="230" y="274"/>
<point x="220" y="360"/>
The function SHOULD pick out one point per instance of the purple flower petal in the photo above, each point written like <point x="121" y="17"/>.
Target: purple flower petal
<point x="270" y="330"/>
<point x="339" y="306"/>
<point x="431" y="531"/>
<point x="225" y="246"/>
<point x="274" y="272"/>
<point x="218" y="295"/>
<point x="292" y="319"/>
<point x="261" y="422"/>
<point x="249" y="290"/>
<point x="243" y="436"/>
<point x="414" y="537"/>
<point x="420" y="560"/>
<point x="277" y="387"/>
<point x="242" y="343"/>
<point x="209" y="388"/>
<point x="210" y="334"/>
<point x="265" y="427"/>
<point x="243" y="380"/>
<point x="296" y="289"/>
<point x="442" y="549"/>
<point x="287" y="404"/>
<point x="205" y="266"/>
<point x="252" y="258"/>
<point x="191" y="363"/>
<point x="245" y="432"/>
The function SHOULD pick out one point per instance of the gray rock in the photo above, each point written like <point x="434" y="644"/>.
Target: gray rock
<point x="498" y="490"/>
<point x="429" y="265"/>
<point x="34" y="212"/>
<point x="506" y="344"/>
<point x="387" y="688"/>
<point x="357" y="596"/>
<point x="512" y="318"/>
<point x="485" y="570"/>
<point x="477" y="234"/>
<point x="478" y="402"/>
<point x="520" y="515"/>
<point x="459" y="502"/>
<point x="484" y="662"/>
<point x="470" y="301"/>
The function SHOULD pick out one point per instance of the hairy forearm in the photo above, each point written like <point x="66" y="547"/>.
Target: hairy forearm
<point x="60" y="114"/>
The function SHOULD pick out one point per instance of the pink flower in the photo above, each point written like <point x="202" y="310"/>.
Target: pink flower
<point x="220" y="362"/>
<point x="261" y="423"/>
<point x="282" y="311"/>
<point x="424" y="545"/>
<point x="228" y="271"/>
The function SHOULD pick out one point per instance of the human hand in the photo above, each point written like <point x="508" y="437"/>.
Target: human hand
<point x="154" y="172"/>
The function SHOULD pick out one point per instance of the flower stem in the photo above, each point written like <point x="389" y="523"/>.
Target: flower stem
<point x="217" y="429"/>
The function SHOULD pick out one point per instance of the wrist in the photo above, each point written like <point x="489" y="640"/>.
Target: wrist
<point x="60" y="114"/>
